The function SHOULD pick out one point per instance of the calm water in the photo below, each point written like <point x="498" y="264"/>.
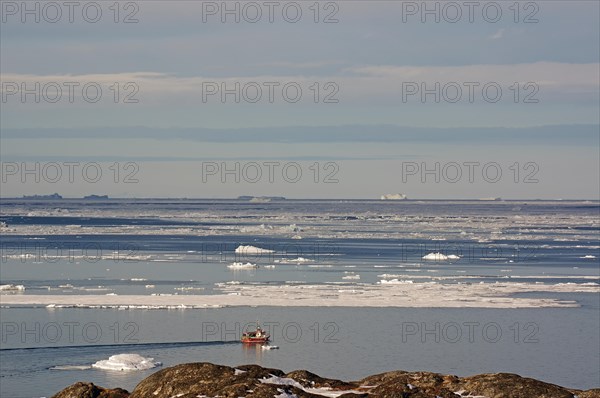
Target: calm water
<point x="184" y="247"/>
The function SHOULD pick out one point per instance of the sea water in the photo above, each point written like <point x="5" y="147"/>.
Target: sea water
<point x="170" y="248"/>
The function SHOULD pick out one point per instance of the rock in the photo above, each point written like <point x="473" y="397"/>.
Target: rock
<point x="508" y="385"/>
<point x="89" y="390"/>
<point x="409" y="384"/>
<point x="593" y="393"/>
<point x="206" y="379"/>
<point x="258" y="372"/>
<point x="311" y="380"/>
<point x="191" y="378"/>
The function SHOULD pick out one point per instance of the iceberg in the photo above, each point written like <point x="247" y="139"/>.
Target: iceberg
<point x="237" y="265"/>
<point x="395" y="282"/>
<point x="435" y="256"/>
<point x="126" y="362"/>
<point x="297" y="260"/>
<point x="12" y="288"/>
<point x="440" y="257"/>
<point x="252" y="250"/>
<point x="260" y="200"/>
<point x="394" y="196"/>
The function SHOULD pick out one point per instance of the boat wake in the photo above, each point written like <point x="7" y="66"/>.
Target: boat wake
<point x="126" y="345"/>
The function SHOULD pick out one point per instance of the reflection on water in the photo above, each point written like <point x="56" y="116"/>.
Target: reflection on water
<point x="253" y="353"/>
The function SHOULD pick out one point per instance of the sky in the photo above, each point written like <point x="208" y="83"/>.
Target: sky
<point x="304" y="99"/>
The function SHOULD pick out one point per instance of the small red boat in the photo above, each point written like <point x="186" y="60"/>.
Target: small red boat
<point x="257" y="336"/>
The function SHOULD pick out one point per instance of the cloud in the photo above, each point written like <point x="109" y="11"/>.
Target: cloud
<point x="574" y="134"/>
<point x="362" y="84"/>
<point x="301" y="65"/>
<point x="498" y="35"/>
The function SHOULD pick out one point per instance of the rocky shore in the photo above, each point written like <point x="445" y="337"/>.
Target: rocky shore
<point x="195" y="380"/>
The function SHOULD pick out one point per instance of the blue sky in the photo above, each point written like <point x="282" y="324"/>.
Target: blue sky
<point x="358" y="106"/>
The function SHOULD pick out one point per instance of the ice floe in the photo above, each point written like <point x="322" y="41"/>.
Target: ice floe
<point x="188" y="288"/>
<point x="71" y="367"/>
<point x="334" y="223"/>
<point x="386" y="293"/>
<point x="126" y="362"/>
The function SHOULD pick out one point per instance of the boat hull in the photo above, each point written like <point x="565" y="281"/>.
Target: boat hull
<point x="252" y="340"/>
